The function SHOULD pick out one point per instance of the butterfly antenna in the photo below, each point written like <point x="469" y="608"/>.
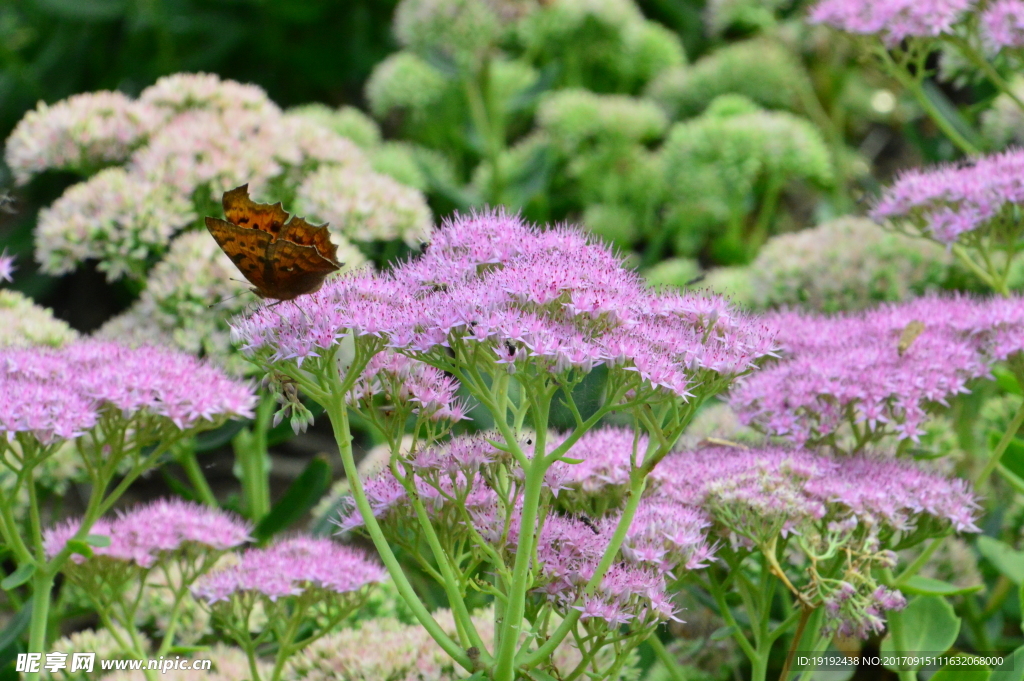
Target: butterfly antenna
<point x="306" y="316"/>
<point x="224" y="300"/>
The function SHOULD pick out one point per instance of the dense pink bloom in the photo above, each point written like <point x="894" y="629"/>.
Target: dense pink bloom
<point x="746" y="489"/>
<point x="1003" y="23"/>
<point x="142" y="534"/>
<point x="553" y="298"/>
<point x="289" y="567"/>
<point x="59" y="393"/>
<point x="604" y="454"/>
<point x="894" y="20"/>
<point x="847" y="367"/>
<point x="950" y="200"/>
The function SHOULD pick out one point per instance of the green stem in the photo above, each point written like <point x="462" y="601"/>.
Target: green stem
<point x="986" y="277"/>
<point x="667" y="659"/>
<point x="766" y="214"/>
<point x="1004" y="442"/>
<point x="913" y="82"/>
<point x="187" y="460"/>
<point x="42" y="585"/>
<point x="805" y="615"/>
<point x="508" y="633"/>
<point x="986" y="67"/>
<point x="250" y="447"/>
<point x="337" y="410"/>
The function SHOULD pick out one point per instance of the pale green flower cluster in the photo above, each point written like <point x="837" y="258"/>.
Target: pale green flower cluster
<point x="114" y="217"/>
<point x="760" y="69"/>
<point x="457" y="30"/>
<point x="365" y="206"/>
<point x="845" y="264"/>
<point x="23" y="323"/>
<point x="404" y="82"/>
<point x="107" y="644"/>
<point x="716" y="165"/>
<point x="600" y="44"/>
<point x="577" y="119"/>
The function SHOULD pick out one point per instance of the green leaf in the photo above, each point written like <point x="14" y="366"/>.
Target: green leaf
<point x="12" y="632"/>
<point x="1015" y="481"/>
<point x="1013" y="457"/>
<point x="722" y="633"/>
<point x="100" y="541"/>
<point x="1007" y="381"/>
<point x="963" y="672"/>
<point x="929" y="626"/>
<point x="19" y="576"/>
<point x="538" y="675"/>
<point x="301" y="496"/>
<point x="1012" y="668"/>
<point x="218" y="437"/>
<point x="1003" y="557"/>
<point x="934" y="587"/>
<point x="80" y="547"/>
<point x="566" y="459"/>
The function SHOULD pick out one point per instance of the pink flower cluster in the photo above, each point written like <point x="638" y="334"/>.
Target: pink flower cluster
<point x="290" y="567"/>
<point x="893" y="20"/>
<point x="146" y="533"/>
<point x="1003" y="23"/>
<point x="753" y="487"/>
<point x="61" y="393"/>
<point x="951" y="200"/>
<point x="552" y="298"/>
<point x="400" y="379"/>
<point x="851" y="370"/>
<point x="457" y="482"/>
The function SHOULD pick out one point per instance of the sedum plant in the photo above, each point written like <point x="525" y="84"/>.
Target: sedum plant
<point x="518" y="317"/>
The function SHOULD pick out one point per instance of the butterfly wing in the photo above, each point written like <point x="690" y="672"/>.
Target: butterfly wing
<point x="246" y="247"/>
<point x="242" y="211"/>
<point x="300" y="232"/>
<point x="293" y="270"/>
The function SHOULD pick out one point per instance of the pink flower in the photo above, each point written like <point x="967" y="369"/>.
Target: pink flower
<point x="950" y="200"/>
<point x="289" y="567"/>
<point x="7" y="267"/>
<point x="61" y="392"/>
<point x="1003" y="23"/>
<point x="893" y="20"/>
<point x="848" y="368"/>
<point x="144" y="533"/>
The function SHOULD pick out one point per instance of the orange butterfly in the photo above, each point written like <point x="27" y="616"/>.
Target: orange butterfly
<point x="283" y="260"/>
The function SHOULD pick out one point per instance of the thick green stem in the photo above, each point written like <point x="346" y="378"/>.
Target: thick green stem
<point x="508" y="633"/>
<point x="250" y="447"/>
<point x="337" y="410"/>
<point x="42" y="585"/>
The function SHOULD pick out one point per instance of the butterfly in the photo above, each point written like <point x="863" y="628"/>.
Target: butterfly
<point x="282" y="259"/>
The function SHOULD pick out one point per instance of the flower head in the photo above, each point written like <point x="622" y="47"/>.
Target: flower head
<point x="1003" y="23"/>
<point x="7" y="267"/>
<point x="114" y="217"/>
<point x="63" y="391"/>
<point x="951" y="200"/>
<point x="893" y="20"/>
<point x="880" y="370"/>
<point x="145" y="533"/>
<point x="290" y="567"/>
<point x="554" y="299"/>
<point x="81" y="133"/>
